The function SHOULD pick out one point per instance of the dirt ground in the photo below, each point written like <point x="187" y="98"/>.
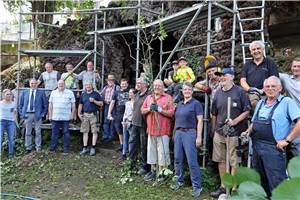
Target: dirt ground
<point x="55" y="176"/>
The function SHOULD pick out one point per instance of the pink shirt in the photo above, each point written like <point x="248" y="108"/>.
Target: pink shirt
<point x="157" y="123"/>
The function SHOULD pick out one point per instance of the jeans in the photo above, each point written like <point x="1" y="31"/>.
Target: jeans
<point x="108" y="125"/>
<point x="28" y="135"/>
<point x="126" y="135"/>
<point x="138" y="142"/>
<point x="56" y="125"/>
<point x="185" y="143"/>
<point x="270" y="163"/>
<point x="9" y="126"/>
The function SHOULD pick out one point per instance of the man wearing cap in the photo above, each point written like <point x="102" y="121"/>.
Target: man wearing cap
<point x="236" y="124"/>
<point x="255" y="71"/>
<point x="182" y="75"/>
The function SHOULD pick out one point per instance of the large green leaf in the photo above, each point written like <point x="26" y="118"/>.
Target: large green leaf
<point x="287" y="190"/>
<point x="244" y="174"/>
<point x="251" y="190"/>
<point x="244" y="197"/>
<point x="228" y="180"/>
<point x="294" y="167"/>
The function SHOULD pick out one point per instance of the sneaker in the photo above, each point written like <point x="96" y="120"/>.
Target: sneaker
<point x="142" y="171"/>
<point x="84" y="151"/>
<point x="10" y="156"/>
<point x="176" y="184"/>
<point x="196" y="192"/>
<point x="218" y="192"/>
<point x="28" y="151"/>
<point x="92" y="152"/>
<point x="150" y="176"/>
<point x="65" y="153"/>
<point x="122" y="157"/>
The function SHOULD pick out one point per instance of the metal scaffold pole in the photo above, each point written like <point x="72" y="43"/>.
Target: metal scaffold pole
<point x="160" y="55"/>
<point x="138" y="41"/>
<point x="205" y="127"/>
<point x="95" y="49"/>
<point x="233" y="33"/>
<point x="103" y="52"/>
<point x="19" y="54"/>
<point x="179" y="41"/>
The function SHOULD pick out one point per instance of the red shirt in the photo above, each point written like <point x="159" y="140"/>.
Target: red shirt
<point x="157" y="123"/>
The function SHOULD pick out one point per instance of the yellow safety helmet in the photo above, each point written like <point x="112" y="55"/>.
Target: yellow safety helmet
<point x="209" y="62"/>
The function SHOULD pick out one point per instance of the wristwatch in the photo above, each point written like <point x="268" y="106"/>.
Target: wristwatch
<point x="288" y="141"/>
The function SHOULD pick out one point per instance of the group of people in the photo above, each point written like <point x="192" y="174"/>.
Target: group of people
<point x="146" y="120"/>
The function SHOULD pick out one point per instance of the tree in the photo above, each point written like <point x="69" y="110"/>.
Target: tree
<point x="147" y="37"/>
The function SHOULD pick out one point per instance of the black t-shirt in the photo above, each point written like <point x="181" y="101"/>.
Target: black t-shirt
<point x="256" y="74"/>
<point x="120" y="97"/>
<point x="239" y="104"/>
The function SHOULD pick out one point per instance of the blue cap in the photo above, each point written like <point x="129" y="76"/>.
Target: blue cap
<point x="227" y="70"/>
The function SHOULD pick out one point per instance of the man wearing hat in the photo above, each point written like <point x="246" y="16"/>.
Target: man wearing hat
<point x="210" y="66"/>
<point x="232" y="126"/>
<point x="182" y="75"/>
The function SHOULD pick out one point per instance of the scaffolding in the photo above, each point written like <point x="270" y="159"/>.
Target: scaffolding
<point x="206" y="10"/>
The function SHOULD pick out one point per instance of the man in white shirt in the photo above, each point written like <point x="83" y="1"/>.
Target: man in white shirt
<point x="49" y="78"/>
<point x="61" y="112"/>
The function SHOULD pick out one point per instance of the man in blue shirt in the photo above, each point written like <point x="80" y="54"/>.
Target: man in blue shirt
<point x="87" y="112"/>
<point x="271" y="131"/>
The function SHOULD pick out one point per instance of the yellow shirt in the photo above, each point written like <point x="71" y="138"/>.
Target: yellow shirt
<point x="184" y="74"/>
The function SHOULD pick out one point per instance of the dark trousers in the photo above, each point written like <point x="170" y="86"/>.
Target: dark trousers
<point x="270" y="163"/>
<point x="138" y="143"/>
<point x="108" y="125"/>
<point x="64" y="125"/>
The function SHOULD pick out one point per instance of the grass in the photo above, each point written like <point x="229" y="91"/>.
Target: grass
<point x="54" y="176"/>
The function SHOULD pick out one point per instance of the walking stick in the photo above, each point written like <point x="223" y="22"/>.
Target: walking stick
<point x="227" y="142"/>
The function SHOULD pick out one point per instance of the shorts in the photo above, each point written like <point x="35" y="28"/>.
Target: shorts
<point x="89" y="120"/>
<point x="219" y="150"/>
<point x="158" y="150"/>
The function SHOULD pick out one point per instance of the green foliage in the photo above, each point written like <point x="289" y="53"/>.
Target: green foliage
<point x="294" y="167"/>
<point x="249" y="184"/>
<point x="209" y="178"/>
<point x="162" y="33"/>
<point x="228" y="180"/>
<point x="245" y="174"/>
<point x="251" y="190"/>
<point x="287" y="190"/>
<point x="194" y="61"/>
<point x="141" y="20"/>
<point x="62" y="4"/>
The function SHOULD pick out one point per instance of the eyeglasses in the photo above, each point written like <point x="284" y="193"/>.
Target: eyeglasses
<point x="8" y="94"/>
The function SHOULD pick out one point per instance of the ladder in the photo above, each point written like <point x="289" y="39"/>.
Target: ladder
<point x="245" y="44"/>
